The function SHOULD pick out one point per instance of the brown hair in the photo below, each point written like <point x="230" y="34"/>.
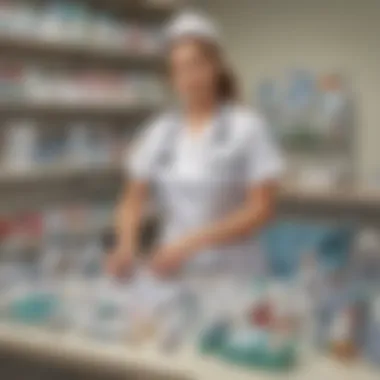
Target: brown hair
<point x="227" y="88"/>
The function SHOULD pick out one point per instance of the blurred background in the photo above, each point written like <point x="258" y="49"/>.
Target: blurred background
<point x="78" y="79"/>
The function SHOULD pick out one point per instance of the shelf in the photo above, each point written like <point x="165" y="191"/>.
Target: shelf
<point x="40" y="187"/>
<point x="54" y="110"/>
<point x="84" y="232"/>
<point x="79" y="54"/>
<point x="349" y="197"/>
<point x="322" y="149"/>
<point x="359" y="197"/>
<point x="354" y="205"/>
<point x="138" y="9"/>
<point x="47" y="175"/>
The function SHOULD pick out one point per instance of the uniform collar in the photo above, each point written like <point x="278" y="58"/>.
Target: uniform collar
<point x="217" y="133"/>
<point x="220" y="125"/>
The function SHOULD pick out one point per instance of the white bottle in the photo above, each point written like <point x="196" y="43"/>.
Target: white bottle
<point x="79" y="152"/>
<point x="19" y="146"/>
<point x="341" y="328"/>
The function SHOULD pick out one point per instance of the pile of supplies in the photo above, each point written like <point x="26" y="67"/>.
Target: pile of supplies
<point x="321" y="293"/>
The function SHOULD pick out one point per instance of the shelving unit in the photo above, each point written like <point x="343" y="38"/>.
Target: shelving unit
<point x="42" y="187"/>
<point x="78" y="53"/>
<point x="58" y="111"/>
<point x="67" y="181"/>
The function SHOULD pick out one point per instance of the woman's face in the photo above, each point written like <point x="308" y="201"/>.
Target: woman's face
<point x="193" y="72"/>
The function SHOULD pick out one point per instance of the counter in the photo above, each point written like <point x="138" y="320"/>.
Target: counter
<point x="146" y="361"/>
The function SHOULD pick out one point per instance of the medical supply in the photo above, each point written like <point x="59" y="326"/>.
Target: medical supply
<point x="257" y="349"/>
<point x="342" y="341"/>
<point x="108" y="312"/>
<point x="39" y="85"/>
<point x="78" y="144"/>
<point x="365" y="263"/>
<point x="268" y="337"/>
<point x="260" y="332"/>
<point x="91" y="261"/>
<point x="342" y="318"/>
<point x="72" y="23"/>
<point x="75" y="17"/>
<point x="20" y="145"/>
<point x="214" y="336"/>
<point x="23" y="19"/>
<point x="33" y="308"/>
<point x="152" y="299"/>
<point x="50" y="148"/>
<point x="372" y="349"/>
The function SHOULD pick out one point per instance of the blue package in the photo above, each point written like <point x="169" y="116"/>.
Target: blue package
<point x="286" y="241"/>
<point x="34" y="308"/>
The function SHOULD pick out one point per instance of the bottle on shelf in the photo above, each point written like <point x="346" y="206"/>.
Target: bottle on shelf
<point x="78" y="145"/>
<point x="373" y="330"/>
<point x="19" y="146"/>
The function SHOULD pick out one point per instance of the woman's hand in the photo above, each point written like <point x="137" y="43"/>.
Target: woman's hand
<point x="119" y="262"/>
<point x="167" y="260"/>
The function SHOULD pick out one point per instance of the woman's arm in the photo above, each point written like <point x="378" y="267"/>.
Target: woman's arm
<point x="256" y="211"/>
<point x="128" y="220"/>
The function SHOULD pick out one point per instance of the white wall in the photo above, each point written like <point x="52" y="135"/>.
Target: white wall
<point x="266" y="37"/>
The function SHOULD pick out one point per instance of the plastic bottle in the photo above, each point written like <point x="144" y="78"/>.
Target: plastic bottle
<point x="340" y="318"/>
<point x="51" y="27"/>
<point x="79" y="152"/>
<point x="342" y="343"/>
<point x="20" y="145"/>
<point x="6" y="16"/>
<point x="373" y="331"/>
<point x="23" y="20"/>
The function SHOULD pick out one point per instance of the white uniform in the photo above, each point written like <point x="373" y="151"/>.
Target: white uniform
<point x="201" y="179"/>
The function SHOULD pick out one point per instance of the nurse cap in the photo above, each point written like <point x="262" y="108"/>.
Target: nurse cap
<point x="191" y="24"/>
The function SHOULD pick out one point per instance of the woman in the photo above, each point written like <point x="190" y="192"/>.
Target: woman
<point x="210" y="163"/>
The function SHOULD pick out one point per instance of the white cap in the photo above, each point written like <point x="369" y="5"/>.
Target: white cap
<point x="192" y="24"/>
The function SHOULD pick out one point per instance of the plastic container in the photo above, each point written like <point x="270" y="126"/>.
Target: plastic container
<point x="258" y="349"/>
<point x="20" y="144"/>
<point x="342" y="319"/>
<point x="373" y="332"/>
<point x="34" y="303"/>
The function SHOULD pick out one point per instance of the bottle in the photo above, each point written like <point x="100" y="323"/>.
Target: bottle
<point x="75" y="17"/>
<point x="342" y="344"/>
<point x="20" y="145"/>
<point x="79" y="150"/>
<point x="366" y="261"/>
<point x="373" y="332"/>
<point x="23" y="20"/>
<point x="6" y="16"/>
<point x="51" y="27"/>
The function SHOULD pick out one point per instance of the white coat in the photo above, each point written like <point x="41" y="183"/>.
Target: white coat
<point x="201" y="179"/>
